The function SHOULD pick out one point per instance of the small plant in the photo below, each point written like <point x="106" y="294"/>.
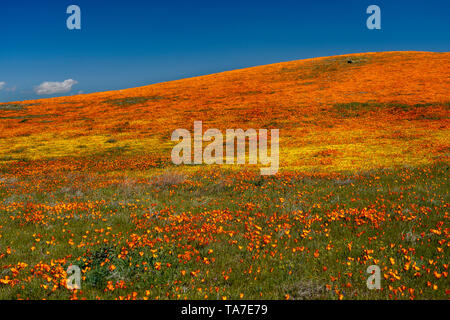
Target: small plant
<point x="169" y="178"/>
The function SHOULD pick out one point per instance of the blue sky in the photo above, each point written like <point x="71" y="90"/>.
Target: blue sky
<point x="131" y="43"/>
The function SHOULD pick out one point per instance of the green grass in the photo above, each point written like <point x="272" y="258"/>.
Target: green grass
<point x="16" y="106"/>
<point x="358" y="109"/>
<point x="298" y="274"/>
<point x="329" y="66"/>
<point x="126" y="102"/>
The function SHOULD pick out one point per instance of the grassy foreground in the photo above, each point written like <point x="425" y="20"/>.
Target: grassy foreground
<point x="220" y="234"/>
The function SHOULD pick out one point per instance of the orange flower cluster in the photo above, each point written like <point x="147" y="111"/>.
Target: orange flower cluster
<point x="87" y="180"/>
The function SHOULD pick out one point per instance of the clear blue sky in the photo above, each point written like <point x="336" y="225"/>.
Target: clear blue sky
<point x="132" y="43"/>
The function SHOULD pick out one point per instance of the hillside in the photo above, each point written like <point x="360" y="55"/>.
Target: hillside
<point x="382" y="109"/>
<point x="88" y="181"/>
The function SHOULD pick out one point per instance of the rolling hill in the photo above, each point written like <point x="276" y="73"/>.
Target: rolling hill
<point x="357" y="111"/>
<point x="87" y="181"/>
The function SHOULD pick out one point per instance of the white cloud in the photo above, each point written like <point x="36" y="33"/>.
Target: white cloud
<point x="55" y="87"/>
<point x="2" y="84"/>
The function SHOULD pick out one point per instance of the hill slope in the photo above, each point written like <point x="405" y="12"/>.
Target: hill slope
<point x="97" y="189"/>
<point x="334" y="113"/>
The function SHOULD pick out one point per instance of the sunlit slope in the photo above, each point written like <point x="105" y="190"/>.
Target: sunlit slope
<point x="347" y="112"/>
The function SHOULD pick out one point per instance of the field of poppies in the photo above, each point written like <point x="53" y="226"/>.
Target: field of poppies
<point x="87" y="180"/>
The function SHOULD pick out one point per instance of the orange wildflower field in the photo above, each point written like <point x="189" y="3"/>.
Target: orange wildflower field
<point x="88" y="180"/>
